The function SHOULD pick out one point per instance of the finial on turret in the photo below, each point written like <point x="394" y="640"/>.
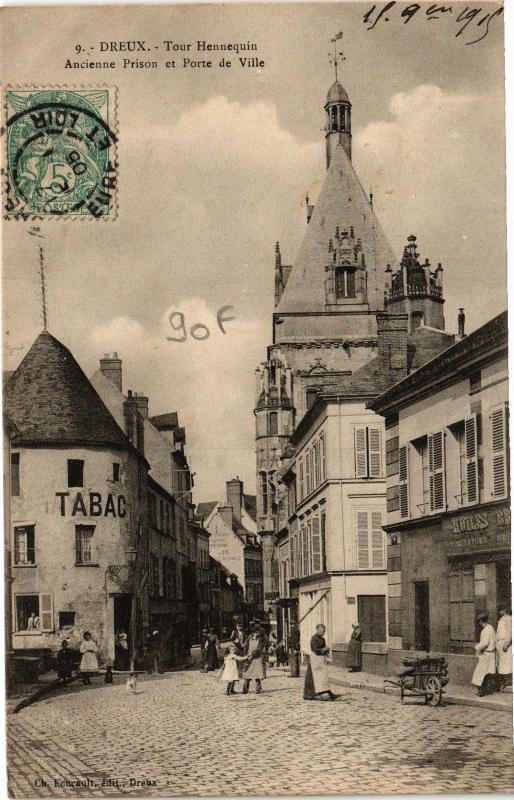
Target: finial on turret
<point x="334" y="41"/>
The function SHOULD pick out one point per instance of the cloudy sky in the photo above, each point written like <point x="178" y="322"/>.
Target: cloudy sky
<point x="214" y="165"/>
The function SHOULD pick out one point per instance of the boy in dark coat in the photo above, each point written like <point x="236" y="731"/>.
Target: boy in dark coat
<point x="64" y="662"/>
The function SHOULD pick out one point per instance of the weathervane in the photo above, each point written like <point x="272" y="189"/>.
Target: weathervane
<point x="337" y="38"/>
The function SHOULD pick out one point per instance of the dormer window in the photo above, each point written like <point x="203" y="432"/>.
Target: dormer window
<point x="345" y="282"/>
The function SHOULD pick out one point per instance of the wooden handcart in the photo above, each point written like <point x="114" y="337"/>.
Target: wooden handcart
<point x="422" y="677"/>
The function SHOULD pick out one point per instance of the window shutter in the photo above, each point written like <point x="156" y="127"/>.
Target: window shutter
<point x="308" y="536"/>
<point x="362" y="540"/>
<point x="316" y="546"/>
<point x="322" y="456"/>
<point x="291" y="552"/>
<point x="323" y="542"/>
<point x="361" y="467"/>
<point x="403" y="477"/>
<point x="498" y="430"/>
<point x="375" y="452"/>
<point x="470" y="434"/>
<point x="377" y="540"/>
<point x="46" y="613"/>
<point x="302" y="484"/>
<point x="436" y="471"/>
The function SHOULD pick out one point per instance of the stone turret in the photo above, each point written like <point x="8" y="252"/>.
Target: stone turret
<point x="415" y="290"/>
<point x="338" y="126"/>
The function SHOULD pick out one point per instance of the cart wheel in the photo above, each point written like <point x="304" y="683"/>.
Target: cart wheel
<point x="434" y="690"/>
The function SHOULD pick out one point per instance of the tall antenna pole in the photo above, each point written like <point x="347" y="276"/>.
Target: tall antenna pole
<point x="43" y="285"/>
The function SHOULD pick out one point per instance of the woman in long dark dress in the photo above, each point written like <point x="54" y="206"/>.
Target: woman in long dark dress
<point x="317" y="685"/>
<point x="212" y="652"/>
<point x="353" y="660"/>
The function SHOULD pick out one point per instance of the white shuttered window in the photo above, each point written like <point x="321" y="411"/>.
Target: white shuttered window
<point x="499" y="447"/>
<point x="436" y="470"/>
<point x="368" y="452"/>
<point x="403" y="489"/>
<point x="370" y="540"/>
<point x="471" y="444"/>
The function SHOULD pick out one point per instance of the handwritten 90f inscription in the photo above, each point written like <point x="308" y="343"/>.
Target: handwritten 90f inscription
<point x="468" y="19"/>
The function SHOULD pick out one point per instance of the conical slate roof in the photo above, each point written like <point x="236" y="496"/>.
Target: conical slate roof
<point x="337" y="94"/>
<point x="51" y="402"/>
<point x="342" y="203"/>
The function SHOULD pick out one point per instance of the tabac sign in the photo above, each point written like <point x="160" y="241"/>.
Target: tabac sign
<point x="479" y="532"/>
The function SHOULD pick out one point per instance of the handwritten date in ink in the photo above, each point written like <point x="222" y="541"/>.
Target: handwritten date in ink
<point x="198" y="331"/>
<point x="471" y="20"/>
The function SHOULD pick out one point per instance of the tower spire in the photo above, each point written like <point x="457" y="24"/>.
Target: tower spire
<point x="43" y="286"/>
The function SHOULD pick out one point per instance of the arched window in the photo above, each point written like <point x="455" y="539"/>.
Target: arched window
<point x="416" y="320"/>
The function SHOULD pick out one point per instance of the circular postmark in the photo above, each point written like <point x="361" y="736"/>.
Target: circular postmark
<point x="60" y="153"/>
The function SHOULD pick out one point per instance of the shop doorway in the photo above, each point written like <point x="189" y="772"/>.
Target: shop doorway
<point x="422" y="610"/>
<point x="503" y="584"/>
<point x="122" y="630"/>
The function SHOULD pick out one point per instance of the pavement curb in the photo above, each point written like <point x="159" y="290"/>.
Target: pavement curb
<point x="491" y="705"/>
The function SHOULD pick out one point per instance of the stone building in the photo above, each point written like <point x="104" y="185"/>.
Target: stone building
<point x="78" y="514"/>
<point x="172" y="574"/>
<point x="448" y="507"/>
<point x="234" y="542"/>
<point x="349" y="321"/>
<point x="227" y="598"/>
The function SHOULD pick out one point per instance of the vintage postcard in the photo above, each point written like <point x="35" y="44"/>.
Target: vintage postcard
<point x="255" y="400"/>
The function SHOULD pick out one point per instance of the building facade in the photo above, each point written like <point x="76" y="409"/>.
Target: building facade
<point x="349" y="321"/>
<point x="172" y="579"/>
<point x="234" y="542"/>
<point x="78" y="516"/>
<point x="448" y="507"/>
<point x="227" y="598"/>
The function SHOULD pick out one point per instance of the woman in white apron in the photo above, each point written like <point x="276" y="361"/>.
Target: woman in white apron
<point x="317" y="684"/>
<point x="89" y="662"/>
<point x="504" y="647"/>
<point x="486" y="652"/>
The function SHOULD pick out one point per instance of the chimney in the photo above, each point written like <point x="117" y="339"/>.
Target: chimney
<point x="392" y="331"/>
<point x="142" y="404"/>
<point x="134" y="426"/>
<point x="110" y="366"/>
<point x="235" y="497"/>
<point x="225" y="513"/>
<point x="461" y="321"/>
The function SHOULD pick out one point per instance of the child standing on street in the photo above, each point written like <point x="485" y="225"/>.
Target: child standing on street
<point x="229" y="671"/>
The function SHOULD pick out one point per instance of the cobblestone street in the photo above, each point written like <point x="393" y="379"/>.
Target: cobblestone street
<point x="182" y="733"/>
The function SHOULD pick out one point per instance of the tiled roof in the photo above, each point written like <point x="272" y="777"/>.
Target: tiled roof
<point x="51" y="401"/>
<point x="250" y="504"/>
<point x="165" y="422"/>
<point x="446" y="364"/>
<point x="341" y="201"/>
<point x="204" y="509"/>
<point x="376" y="376"/>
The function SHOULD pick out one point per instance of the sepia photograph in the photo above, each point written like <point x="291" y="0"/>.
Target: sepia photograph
<point x="256" y="495"/>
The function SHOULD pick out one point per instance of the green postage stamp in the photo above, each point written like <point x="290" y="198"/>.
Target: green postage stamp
<point x="61" y="153"/>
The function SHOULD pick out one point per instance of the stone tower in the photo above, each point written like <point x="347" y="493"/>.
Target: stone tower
<point x="415" y="290"/>
<point x="325" y="317"/>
